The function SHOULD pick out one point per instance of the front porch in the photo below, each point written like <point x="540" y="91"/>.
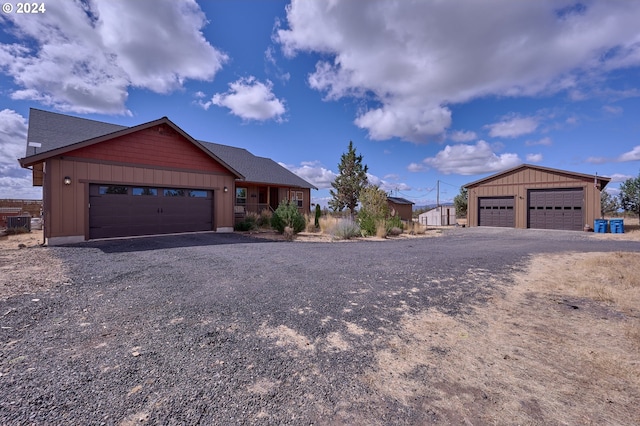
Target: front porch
<point x="253" y="198"/>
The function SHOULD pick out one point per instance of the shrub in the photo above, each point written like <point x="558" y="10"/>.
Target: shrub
<point x="394" y="222"/>
<point x="264" y="220"/>
<point x="316" y="222"/>
<point x="368" y="223"/>
<point x="287" y="214"/>
<point x="346" y="229"/>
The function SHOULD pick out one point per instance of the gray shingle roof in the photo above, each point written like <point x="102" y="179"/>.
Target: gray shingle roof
<point x="55" y="131"/>
<point x="399" y="200"/>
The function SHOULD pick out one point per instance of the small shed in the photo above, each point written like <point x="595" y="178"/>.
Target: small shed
<point x="439" y="216"/>
<point x="400" y="207"/>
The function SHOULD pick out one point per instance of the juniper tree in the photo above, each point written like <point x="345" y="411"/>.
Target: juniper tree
<point x="352" y="177"/>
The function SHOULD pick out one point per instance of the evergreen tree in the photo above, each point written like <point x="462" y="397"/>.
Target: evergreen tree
<point x="352" y="177"/>
<point x="608" y="203"/>
<point x="630" y="195"/>
<point x="460" y="202"/>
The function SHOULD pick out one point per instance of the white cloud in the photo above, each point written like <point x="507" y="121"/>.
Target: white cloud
<point x="314" y="173"/>
<point x="387" y="185"/>
<point x="414" y="61"/>
<point x="251" y="100"/>
<point x="415" y="167"/>
<point x="471" y="159"/>
<point x="512" y="127"/>
<point x="546" y="141"/>
<point x="619" y="177"/>
<point x="463" y="136"/>
<point x="85" y="56"/>
<point x="633" y="155"/>
<point x="534" y="158"/>
<point x="15" y="182"/>
<point x="613" y="110"/>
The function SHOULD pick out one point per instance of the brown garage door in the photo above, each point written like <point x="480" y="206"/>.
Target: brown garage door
<point x="496" y="211"/>
<point x="556" y="209"/>
<point x="119" y="211"/>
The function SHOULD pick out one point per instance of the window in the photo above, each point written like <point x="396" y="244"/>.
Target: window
<point x="113" y="190"/>
<point x="241" y="196"/>
<point x="296" y="198"/>
<point x="144" y="191"/>
<point x="174" y="192"/>
<point x="196" y="193"/>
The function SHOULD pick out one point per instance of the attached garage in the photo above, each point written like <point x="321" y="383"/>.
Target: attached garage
<point x="537" y="197"/>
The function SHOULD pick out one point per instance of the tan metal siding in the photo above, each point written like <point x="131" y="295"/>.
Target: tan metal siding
<point x="516" y="184"/>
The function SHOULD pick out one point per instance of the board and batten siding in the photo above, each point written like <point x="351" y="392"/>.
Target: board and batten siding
<point x="67" y="206"/>
<point x="517" y="184"/>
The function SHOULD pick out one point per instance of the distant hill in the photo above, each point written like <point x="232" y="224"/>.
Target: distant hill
<point x="431" y="206"/>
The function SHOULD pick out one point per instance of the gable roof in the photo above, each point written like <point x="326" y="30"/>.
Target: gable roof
<point x="256" y="169"/>
<point x="603" y="181"/>
<point x="60" y="133"/>
<point x="399" y="200"/>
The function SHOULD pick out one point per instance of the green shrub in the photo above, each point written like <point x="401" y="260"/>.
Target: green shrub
<point x="317" y="216"/>
<point x="346" y="229"/>
<point x="368" y="223"/>
<point x="288" y="215"/>
<point x="394" y="222"/>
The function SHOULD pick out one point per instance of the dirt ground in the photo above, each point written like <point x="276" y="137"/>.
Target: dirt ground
<point x="560" y="345"/>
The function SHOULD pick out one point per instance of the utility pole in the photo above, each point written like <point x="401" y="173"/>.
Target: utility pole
<point x="438" y="191"/>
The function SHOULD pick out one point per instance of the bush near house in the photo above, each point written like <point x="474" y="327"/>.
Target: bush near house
<point x="288" y="215"/>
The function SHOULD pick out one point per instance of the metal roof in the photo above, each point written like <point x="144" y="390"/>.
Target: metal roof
<point x="59" y="132"/>
<point x="399" y="200"/>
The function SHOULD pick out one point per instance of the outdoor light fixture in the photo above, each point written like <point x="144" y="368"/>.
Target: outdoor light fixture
<point x="67" y="180"/>
<point x="226" y="189"/>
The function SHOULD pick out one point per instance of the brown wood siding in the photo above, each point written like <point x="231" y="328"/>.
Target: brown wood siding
<point x="517" y="184"/>
<point x="159" y="146"/>
<point x="67" y="206"/>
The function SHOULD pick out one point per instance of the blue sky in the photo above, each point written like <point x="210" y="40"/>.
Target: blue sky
<point x="428" y="91"/>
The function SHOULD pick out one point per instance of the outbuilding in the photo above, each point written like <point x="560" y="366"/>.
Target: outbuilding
<point x="444" y="215"/>
<point x="530" y="196"/>
<point x="400" y="207"/>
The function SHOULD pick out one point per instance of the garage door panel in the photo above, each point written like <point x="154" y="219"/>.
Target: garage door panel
<point x="555" y="208"/>
<point x="147" y="211"/>
<point x="496" y="211"/>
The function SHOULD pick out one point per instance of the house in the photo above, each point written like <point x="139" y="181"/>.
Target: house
<point x="439" y="216"/>
<point x="400" y="207"/>
<point x="104" y="180"/>
<point x="538" y="197"/>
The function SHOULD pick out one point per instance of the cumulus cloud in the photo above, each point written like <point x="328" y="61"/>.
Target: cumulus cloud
<point x="388" y="185"/>
<point x="15" y="182"/>
<point x="416" y="167"/>
<point x="313" y="172"/>
<point x="619" y="177"/>
<point x="546" y="141"/>
<point x="463" y="136"/>
<point x="251" y="100"/>
<point x="633" y="155"/>
<point x="534" y="158"/>
<point x="85" y="56"/>
<point x="413" y="61"/>
<point x="512" y="127"/>
<point x="471" y="159"/>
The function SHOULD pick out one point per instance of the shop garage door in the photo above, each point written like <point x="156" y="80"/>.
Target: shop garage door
<point x="496" y="211"/>
<point x="556" y="209"/>
<point x="119" y="211"/>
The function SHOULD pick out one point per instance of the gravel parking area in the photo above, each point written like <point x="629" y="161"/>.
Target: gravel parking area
<point x="228" y="329"/>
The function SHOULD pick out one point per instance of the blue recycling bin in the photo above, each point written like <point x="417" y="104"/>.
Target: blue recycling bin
<point x="600" y="226"/>
<point x="617" y="226"/>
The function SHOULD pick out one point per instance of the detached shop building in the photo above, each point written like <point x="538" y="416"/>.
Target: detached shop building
<point x="103" y="180"/>
<point x="537" y="197"/>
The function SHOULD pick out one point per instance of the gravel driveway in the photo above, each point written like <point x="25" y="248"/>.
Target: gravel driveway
<point x="227" y="329"/>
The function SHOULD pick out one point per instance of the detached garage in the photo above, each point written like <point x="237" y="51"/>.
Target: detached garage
<point x="537" y="197"/>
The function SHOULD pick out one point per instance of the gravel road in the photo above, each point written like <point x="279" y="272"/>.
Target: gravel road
<point x="227" y="329"/>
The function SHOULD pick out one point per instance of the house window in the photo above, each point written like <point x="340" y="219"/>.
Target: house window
<point x="296" y="198"/>
<point x="241" y="196"/>
<point x="196" y="193"/>
<point x="114" y="190"/>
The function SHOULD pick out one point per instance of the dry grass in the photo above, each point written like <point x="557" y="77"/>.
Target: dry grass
<point x="631" y="231"/>
<point x="559" y="347"/>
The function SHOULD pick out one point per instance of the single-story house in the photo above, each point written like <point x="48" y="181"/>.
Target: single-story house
<point x="400" y="207"/>
<point x="105" y="180"/>
<point x="538" y="197"/>
<point x="439" y="216"/>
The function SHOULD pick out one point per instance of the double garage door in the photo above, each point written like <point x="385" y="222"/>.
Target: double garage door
<point x="547" y="209"/>
<point x="556" y="209"/>
<point x="119" y="211"/>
